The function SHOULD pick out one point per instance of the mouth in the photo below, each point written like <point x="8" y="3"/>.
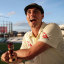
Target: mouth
<point x="32" y="20"/>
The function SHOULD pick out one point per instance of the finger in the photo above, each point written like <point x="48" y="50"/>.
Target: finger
<point x="19" y="60"/>
<point x="5" y="57"/>
<point x="4" y="60"/>
<point x="14" y="53"/>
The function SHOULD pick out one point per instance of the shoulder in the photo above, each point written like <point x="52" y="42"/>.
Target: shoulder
<point x="52" y="26"/>
<point x="27" y="34"/>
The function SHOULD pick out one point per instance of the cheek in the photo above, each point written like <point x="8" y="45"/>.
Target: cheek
<point x="40" y="17"/>
<point x="27" y="16"/>
<point x="28" y="19"/>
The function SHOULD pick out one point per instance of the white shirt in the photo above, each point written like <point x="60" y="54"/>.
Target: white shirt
<point x="50" y="34"/>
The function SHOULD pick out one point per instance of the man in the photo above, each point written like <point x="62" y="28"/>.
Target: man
<point x="42" y="45"/>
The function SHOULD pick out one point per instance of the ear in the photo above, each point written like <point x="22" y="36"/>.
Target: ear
<point x="42" y="16"/>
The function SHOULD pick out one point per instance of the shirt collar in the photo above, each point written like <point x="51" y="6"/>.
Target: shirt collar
<point x="41" y="28"/>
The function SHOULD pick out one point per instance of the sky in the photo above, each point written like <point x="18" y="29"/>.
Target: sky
<point x="13" y="11"/>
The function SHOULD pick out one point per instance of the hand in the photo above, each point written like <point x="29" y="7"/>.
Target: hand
<point x="13" y="57"/>
<point x="5" y="57"/>
<point x="19" y="60"/>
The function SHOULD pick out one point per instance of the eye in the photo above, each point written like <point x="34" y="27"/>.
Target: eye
<point x="28" y="12"/>
<point x="36" y="11"/>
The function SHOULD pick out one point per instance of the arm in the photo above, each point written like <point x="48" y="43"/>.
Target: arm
<point x="33" y="51"/>
<point x="43" y="42"/>
<point x="27" y="54"/>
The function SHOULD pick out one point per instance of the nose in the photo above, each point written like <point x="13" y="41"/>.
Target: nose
<point x="32" y="14"/>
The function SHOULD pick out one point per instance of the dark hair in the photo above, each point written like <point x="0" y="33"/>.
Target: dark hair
<point x="34" y="5"/>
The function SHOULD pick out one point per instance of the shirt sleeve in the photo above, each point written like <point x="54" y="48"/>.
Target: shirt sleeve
<point x="51" y="35"/>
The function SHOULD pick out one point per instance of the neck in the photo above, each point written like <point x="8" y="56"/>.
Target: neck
<point x="35" y="30"/>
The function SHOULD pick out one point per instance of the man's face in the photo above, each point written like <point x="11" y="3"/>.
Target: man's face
<point x="34" y="17"/>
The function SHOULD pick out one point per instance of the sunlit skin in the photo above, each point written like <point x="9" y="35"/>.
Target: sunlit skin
<point x="36" y="16"/>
